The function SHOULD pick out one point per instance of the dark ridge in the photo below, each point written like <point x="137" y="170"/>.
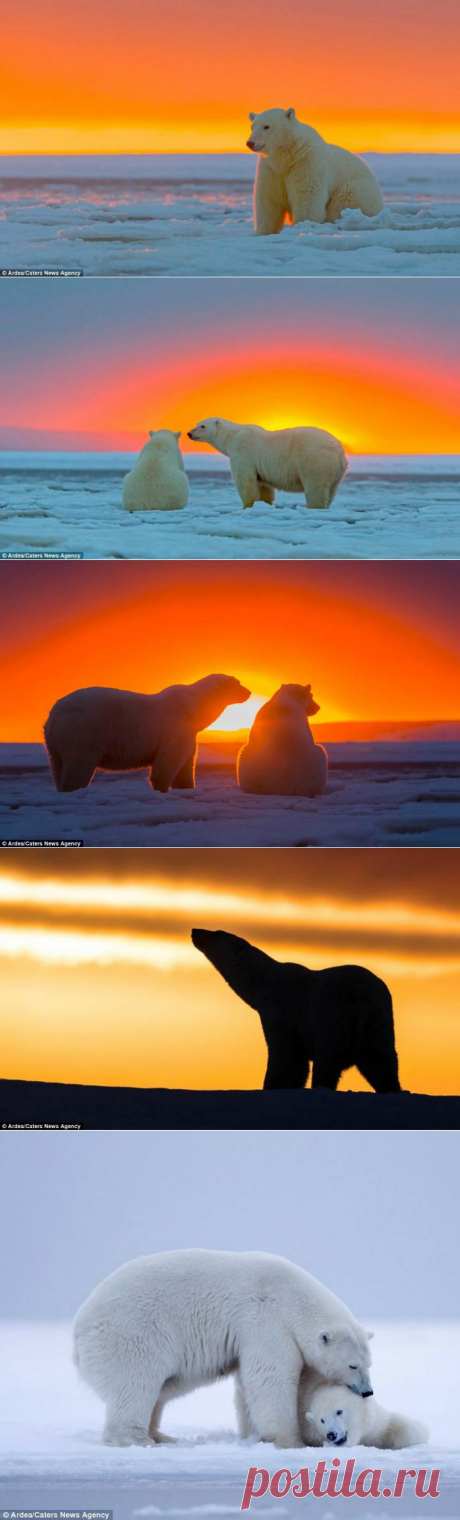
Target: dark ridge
<point x="57" y="1103"/>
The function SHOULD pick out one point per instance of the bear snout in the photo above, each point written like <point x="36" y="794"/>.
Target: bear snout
<point x="251" y="144"/>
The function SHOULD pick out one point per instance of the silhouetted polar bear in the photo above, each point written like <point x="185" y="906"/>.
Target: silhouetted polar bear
<point x="163" y="1325"/>
<point x="329" y="1414"/>
<point x="336" y="1018"/>
<point x="304" y="178"/>
<point x="101" y="728"/>
<point x="157" y="481"/>
<point x="303" y="459"/>
<point x="281" y="757"/>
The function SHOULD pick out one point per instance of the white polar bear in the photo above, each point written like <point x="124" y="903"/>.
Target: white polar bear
<point x="163" y="1325"/>
<point x="281" y="757"/>
<point x="157" y="481"/>
<point x="303" y="459"/>
<point x="334" y="1416"/>
<point x="304" y="178"/>
<point x="101" y="728"/>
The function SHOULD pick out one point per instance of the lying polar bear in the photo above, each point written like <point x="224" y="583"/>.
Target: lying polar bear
<point x="304" y="178"/>
<point x="157" y="481"/>
<point x="100" y="728"/>
<point x="281" y="757"/>
<point x="334" y="1416"/>
<point x="162" y="1325"/>
<point x="303" y="459"/>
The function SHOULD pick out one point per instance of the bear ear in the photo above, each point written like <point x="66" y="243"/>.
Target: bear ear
<point x="252" y="115"/>
<point x="152" y="433"/>
<point x="291" y="113"/>
<point x="177" y="435"/>
<point x="370" y="1334"/>
<point x="309" y="1414"/>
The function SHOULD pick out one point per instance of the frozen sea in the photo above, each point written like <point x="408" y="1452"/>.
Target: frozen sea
<point x="191" y="214"/>
<point x="50" y="1447"/>
<point x="386" y="792"/>
<point x="388" y="507"/>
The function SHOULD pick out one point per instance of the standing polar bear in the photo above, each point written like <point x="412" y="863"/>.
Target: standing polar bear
<point x="303" y="459"/>
<point x="163" y="1325"/>
<point x="281" y="757"/>
<point x="332" y="1415"/>
<point x="101" y="728"/>
<point x="157" y="481"/>
<point x="304" y="178"/>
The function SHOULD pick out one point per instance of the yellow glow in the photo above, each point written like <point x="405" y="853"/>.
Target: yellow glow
<point x="161" y="897"/>
<point x="216" y="135"/>
<point x="230" y="720"/>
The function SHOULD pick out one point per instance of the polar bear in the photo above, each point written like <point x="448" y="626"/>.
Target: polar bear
<point x="339" y="1017"/>
<point x="336" y="1019"/>
<point x="157" y="481"/>
<point x="163" y="1325"/>
<point x="329" y="1414"/>
<point x="304" y="178"/>
<point x="101" y="728"/>
<point x="281" y="757"/>
<point x="305" y="459"/>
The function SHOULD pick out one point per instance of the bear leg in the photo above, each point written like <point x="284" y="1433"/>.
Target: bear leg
<point x="269" y="1374"/>
<point x="380" y="1070"/>
<point x="242" y="1412"/>
<point x="186" y="776"/>
<point x="55" y="761"/>
<point x="128" y="1418"/>
<point x="317" y="494"/>
<point x="168" y="763"/>
<point x="75" y="774"/>
<point x="270" y="201"/>
<point x="287" y="1063"/>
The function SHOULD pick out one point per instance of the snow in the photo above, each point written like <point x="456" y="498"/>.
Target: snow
<point x="389" y="792"/>
<point x="186" y="214"/>
<point x="50" y="1429"/>
<point x="388" y="507"/>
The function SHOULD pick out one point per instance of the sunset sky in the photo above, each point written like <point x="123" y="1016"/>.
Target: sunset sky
<point x="375" y="640"/>
<point x="105" y="75"/>
<point x="102" y="984"/>
<point x="96" y="364"/>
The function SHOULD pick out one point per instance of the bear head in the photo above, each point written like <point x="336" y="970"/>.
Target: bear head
<point x="342" y="1354"/>
<point x="165" y="440"/>
<point x="334" y="1414"/>
<point x="289" y="697"/>
<point x="207" y="431"/>
<point x="272" y="132"/>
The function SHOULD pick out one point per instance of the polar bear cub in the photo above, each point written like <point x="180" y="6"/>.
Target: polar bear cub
<point x="305" y="459"/>
<point x="281" y="757"/>
<point x="163" y="1325"/>
<point x="338" y="1417"/>
<point x="101" y="728"/>
<point x="303" y="178"/>
<point x="157" y="481"/>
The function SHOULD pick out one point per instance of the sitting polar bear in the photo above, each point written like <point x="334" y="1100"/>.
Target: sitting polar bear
<point x="163" y="1325"/>
<point x="281" y="757"/>
<point x="157" y="481"/>
<point x="304" y="178"/>
<point x="333" y="1416"/>
<point x="295" y="459"/>
<point x="101" y="728"/>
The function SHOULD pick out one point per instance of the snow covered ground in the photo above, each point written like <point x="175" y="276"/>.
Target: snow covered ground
<point x="378" y="793"/>
<point x="388" y="507"/>
<point x="191" y="214"/>
<point x="50" y="1428"/>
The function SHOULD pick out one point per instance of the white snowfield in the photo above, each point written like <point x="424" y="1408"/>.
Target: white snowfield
<point x="387" y="507"/>
<point x="378" y="793"/>
<point x="51" y="1424"/>
<point x="186" y="214"/>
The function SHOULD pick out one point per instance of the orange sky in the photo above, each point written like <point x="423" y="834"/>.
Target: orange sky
<point x="105" y="75"/>
<point x="106" y="936"/>
<point x="97" y="364"/>
<point x="374" y="640"/>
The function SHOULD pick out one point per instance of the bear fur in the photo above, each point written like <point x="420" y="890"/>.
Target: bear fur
<point x="305" y="459"/>
<point x="163" y="1325"/>
<point x="101" y="728"/>
<point x="281" y="758"/>
<point x="157" y="481"/>
<point x="336" y="1018"/>
<point x="303" y="178"/>
<point x="330" y="1415"/>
